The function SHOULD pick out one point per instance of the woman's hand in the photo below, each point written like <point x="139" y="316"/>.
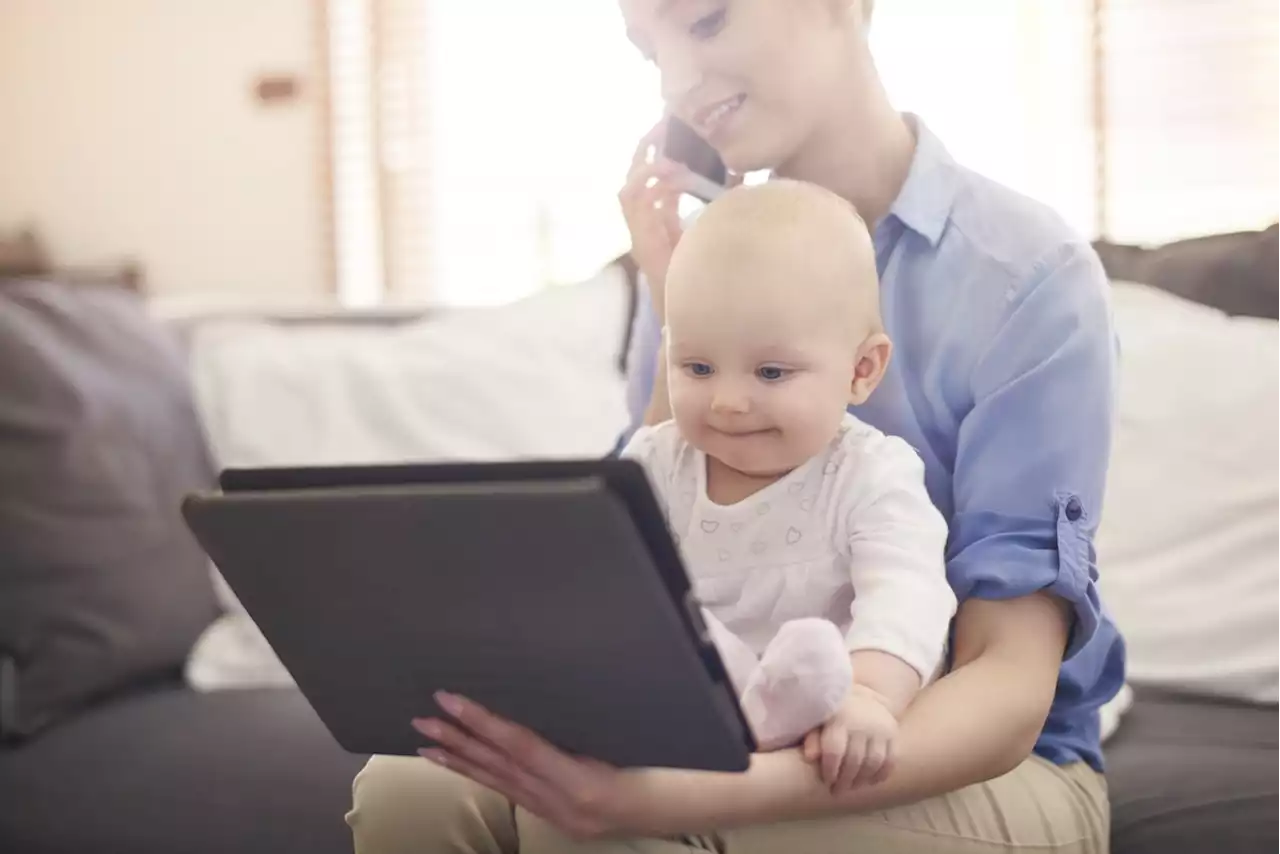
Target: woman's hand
<point x="650" y="202"/>
<point x="582" y="798"/>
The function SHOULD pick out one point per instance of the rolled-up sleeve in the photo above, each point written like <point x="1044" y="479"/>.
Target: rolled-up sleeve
<point x="1032" y="453"/>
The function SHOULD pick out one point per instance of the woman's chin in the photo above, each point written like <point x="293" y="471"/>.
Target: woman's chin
<point x="743" y="155"/>
<point x="743" y="161"/>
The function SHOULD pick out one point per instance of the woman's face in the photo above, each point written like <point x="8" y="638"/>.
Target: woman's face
<point x="752" y="77"/>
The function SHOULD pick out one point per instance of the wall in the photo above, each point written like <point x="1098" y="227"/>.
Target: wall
<point x="128" y="128"/>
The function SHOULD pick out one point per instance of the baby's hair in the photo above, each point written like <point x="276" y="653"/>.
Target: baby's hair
<point x="811" y="220"/>
<point x="785" y="196"/>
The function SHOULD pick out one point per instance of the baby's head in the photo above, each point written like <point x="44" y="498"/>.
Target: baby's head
<point x="773" y="325"/>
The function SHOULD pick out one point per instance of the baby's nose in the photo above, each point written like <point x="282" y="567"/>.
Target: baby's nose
<point x="730" y="400"/>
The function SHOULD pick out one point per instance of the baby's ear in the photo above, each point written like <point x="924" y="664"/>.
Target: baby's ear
<point x="871" y="361"/>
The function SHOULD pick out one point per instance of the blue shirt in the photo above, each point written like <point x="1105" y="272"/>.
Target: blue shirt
<point x="1003" y="378"/>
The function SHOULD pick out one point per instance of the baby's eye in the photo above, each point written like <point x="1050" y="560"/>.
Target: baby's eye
<point x="698" y="369"/>
<point x="772" y="373"/>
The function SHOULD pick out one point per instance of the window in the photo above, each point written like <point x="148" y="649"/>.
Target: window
<point x="478" y="147"/>
<point x="1191" y="117"/>
<point x="503" y="131"/>
<point x="1004" y="83"/>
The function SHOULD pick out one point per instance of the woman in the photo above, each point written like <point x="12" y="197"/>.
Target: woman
<point x="1002" y="379"/>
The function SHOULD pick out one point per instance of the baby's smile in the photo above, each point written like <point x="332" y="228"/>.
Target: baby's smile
<point x="736" y="433"/>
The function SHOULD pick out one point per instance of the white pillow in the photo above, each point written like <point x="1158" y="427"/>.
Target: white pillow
<point x="1188" y="544"/>
<point x="537" y="378"/>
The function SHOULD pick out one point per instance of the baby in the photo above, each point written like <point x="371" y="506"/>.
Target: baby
<point x="811" y="541"/>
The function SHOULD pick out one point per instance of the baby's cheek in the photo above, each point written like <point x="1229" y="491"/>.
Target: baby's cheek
<point x="812" y="410"/>
<point x="688" y="407"/>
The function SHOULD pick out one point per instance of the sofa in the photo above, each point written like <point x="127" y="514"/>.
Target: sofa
<point x="140" y="712"/>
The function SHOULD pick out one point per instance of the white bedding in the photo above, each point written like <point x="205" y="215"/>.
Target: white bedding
<point x="1188" y="545"/>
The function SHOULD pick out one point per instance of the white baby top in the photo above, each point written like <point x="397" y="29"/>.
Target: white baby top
<point x="850" y="536"/>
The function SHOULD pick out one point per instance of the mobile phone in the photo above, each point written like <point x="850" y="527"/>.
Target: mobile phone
<point x="683" y="145"/>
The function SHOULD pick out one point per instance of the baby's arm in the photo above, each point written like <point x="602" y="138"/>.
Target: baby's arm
<point x="886" y="676"/>
<point x="903" y="603"/>
<point x="901" y="613"/>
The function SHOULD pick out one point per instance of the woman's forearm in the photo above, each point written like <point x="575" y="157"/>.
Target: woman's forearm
<point x="659" y="409"/>
<point x="974" y="724"/>
<point x="953" y="735"/>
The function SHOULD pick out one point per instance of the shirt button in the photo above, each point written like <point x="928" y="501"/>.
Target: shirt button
<point x="1074" y="510"/>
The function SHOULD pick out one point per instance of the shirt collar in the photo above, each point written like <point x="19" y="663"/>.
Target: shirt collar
<point x="927" y="196"/>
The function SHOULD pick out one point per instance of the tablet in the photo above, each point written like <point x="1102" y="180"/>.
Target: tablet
<point x="550" y="592"/>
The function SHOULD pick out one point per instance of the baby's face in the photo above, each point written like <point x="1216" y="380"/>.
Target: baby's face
<point x="756" y="380"/>
<point x="771" y="305"/>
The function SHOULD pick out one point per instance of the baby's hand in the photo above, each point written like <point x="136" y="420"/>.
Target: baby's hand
<point x="855" y="746"/>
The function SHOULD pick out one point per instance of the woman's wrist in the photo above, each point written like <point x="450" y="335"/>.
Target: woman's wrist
<point x="779" y="786"/>
<point x="657" y="287"/>
<point x="671" y="802"/>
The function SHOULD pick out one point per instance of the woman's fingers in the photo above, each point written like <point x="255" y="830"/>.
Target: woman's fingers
<point x="649" y="141"/>
<point x="536" y="756"/>
<point x="578" y="796"/>
<point x="510" y="740"/>
<point x="477" y="753"/>
<point x="664" y="173"/>
<point x="532" y="798"/>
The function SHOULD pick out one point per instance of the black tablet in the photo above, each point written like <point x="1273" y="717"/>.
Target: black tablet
<point x="550" y="592"/>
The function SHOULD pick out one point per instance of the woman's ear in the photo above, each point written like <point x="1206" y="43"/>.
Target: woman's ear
<point x="871" y="361"/>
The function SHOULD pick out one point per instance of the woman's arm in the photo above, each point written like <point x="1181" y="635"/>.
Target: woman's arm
<point x="646" y="365"/>
<point x="659" y="408"/>
<point x="973" y="724"/>
<point x="976" y="723"/>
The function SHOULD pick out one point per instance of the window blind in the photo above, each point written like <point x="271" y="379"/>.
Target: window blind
<point x="478" y="147"/>
<point x="354" y="197"/>
<point x="1190" y="118"/>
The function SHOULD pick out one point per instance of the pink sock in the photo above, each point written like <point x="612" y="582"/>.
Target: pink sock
<point x="795" y="686"/>
<point x="738" y="658"/>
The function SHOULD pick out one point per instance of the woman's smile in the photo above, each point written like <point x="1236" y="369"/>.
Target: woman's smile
<point x="711" y="120"/>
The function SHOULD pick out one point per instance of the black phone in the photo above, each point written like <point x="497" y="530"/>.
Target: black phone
<point x="683" y="145"/>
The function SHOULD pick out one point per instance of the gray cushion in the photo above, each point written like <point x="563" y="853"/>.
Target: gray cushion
<point x="171" y="770"/>
<point x="100" y="584"/>
<point x="1194" y="775"/>
<point x="1235" y="273"/>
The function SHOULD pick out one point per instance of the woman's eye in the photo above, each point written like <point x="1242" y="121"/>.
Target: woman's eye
<point x="708" y="26"/>
<point x="699" y="369"/>
<point x="771" y="373"/>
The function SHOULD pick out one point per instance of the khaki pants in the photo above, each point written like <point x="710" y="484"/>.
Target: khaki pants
<point x="410" y="806"/>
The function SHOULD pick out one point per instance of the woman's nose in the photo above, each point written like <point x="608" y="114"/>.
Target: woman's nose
<point x="680" y="76"/>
